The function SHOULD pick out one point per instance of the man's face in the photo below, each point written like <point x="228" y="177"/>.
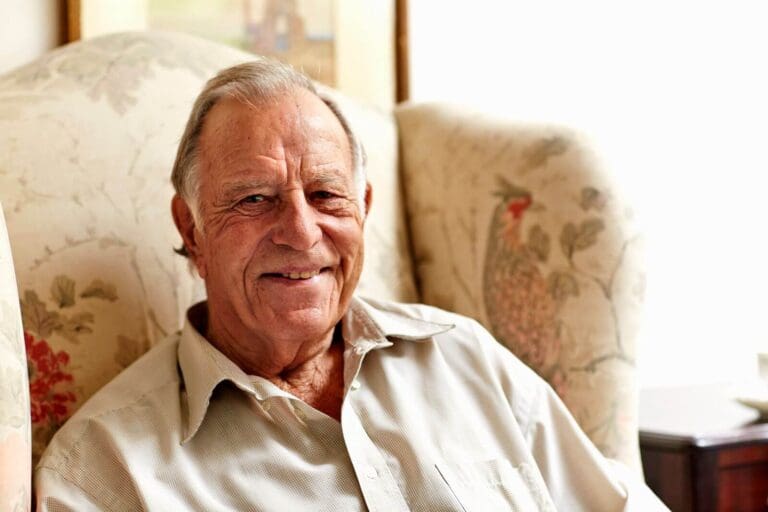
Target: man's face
<point x="281" y="245"/>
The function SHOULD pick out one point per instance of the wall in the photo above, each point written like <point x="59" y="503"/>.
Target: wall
<point x="28" y="29"/>
<point x="105" y="16"/>
<point x="674" y="97"/>
<point x="365" y="51"/>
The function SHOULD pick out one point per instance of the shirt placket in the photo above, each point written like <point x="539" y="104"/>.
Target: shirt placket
<point x="377" y="484"/>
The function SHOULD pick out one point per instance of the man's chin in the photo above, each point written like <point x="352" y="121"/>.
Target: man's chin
<point x="297" y="308"/>
<point x="312" y="314"/>
<point x="305" y="324"/>
<point x="302" y="311"/>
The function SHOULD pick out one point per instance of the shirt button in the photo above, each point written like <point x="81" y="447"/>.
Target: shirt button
<point x="355" y="385"/>
<point x="370" y="472"/>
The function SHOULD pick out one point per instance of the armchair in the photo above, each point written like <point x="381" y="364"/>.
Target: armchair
<point x="15" y="460"/>
<point x="514" y="225"/>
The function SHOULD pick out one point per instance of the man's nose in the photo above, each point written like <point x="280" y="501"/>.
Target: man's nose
<point x="297" y="224"/>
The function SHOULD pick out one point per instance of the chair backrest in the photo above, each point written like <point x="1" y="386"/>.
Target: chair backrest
<point x="518" y="226"/>
<point x="88" y="135"/>
<point x="15" y="442"/>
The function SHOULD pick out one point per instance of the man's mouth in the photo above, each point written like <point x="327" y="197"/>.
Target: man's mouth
<point x="301" y="275"/>
<point x="296" y="275"/>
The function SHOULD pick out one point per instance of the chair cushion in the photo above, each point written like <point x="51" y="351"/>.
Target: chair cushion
<point x="15" y="442"/>
<point x="516" y="226"/>
<point x="88" y="135"/>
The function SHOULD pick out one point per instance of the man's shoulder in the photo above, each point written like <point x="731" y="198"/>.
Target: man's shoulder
<point x="466" y="343"/>
<point x="144" y="383"/>
<point x="471" y="351"/>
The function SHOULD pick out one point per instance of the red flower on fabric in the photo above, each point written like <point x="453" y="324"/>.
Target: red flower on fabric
<point x="518" y="205"/>
<point x="50" y="403"/>
<point x="513" y="218"/>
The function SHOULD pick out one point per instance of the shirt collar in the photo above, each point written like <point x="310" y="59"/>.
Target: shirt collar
<point x="391" y="321"/>
<point x="203" y="367"/>
<point x="367" y="325"/>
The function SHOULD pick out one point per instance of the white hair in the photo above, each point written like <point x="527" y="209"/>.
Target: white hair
<point x="250" y="83"/>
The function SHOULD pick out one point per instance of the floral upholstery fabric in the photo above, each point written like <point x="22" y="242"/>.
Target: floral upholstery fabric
<point x="88" y="135"/>
<point x="517" y="227"/>
<point x="15" y="441"/>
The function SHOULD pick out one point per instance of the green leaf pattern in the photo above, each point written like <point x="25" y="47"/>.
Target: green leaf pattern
<point x="100" y="290"/>
<point x="36" y="317"/>
<point x="562" y="285"/>
<point x="540" y="152"/>
<point x="63" y="291"/>
<point x="44" y="322"/>
<point x="573" y="239"/>
<point x="592" y="198"/>
<point x="538" y="242"/>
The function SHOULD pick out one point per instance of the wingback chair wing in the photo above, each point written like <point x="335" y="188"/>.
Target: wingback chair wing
<point x="15" y="442"/>
<point x="518" y="227"/>
<point x="514" y="225"/>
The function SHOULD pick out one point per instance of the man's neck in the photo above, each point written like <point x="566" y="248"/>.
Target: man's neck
<point x="316" y="375"/>
<point x="319" y="382"/>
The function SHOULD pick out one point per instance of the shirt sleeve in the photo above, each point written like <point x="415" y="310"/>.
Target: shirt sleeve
<point x="577" y="475"/>
<point x="54" y="493"/>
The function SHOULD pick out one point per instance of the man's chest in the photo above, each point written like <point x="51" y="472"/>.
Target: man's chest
<point x="399" y="446"/>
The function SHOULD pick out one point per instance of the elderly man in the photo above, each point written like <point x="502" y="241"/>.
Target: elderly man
<point x="284" y="391"/>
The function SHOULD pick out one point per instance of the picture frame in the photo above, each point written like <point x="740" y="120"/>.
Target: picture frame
<point x="358" y="47"/>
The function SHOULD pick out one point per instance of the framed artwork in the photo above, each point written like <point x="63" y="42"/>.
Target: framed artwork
<point x="300" y="32"/>
<point x="355" y="46"/>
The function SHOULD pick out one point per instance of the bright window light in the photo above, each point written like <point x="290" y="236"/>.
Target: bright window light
<point x="674" y="95"/>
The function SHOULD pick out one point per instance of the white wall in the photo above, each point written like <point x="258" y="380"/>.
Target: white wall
<point x="28" y="29"/>
<point x="674" y="94"/>
<point x="365" y="52"/>
<point x="98" y="17"/>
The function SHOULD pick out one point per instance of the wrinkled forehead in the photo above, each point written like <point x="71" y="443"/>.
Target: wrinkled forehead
<point x="296" y="122"/>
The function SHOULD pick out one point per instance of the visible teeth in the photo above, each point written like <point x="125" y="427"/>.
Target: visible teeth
<point x="301" y="275"/>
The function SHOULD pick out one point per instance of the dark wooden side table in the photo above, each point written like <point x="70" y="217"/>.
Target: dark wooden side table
<point x="702" y="451"/>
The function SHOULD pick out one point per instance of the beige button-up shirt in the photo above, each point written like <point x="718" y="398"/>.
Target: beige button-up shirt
<point x="436" y="416"/>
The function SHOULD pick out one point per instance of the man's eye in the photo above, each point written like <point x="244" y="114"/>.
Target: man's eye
<point x="252" y="199"/>
<point x="323" y="194"/>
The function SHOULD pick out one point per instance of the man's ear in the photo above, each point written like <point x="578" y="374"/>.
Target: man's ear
<point x="368" y="197"/>
<point x="185" y="223"/>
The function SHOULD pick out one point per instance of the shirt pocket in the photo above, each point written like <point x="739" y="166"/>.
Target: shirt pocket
<point x="496" y="485"/>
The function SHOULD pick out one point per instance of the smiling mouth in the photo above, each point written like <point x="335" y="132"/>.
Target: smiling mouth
<point x="296" y="276"/>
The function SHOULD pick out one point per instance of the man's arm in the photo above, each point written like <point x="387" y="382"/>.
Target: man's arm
<point x="54" y="493"/>
<point x="577" y="475"/>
